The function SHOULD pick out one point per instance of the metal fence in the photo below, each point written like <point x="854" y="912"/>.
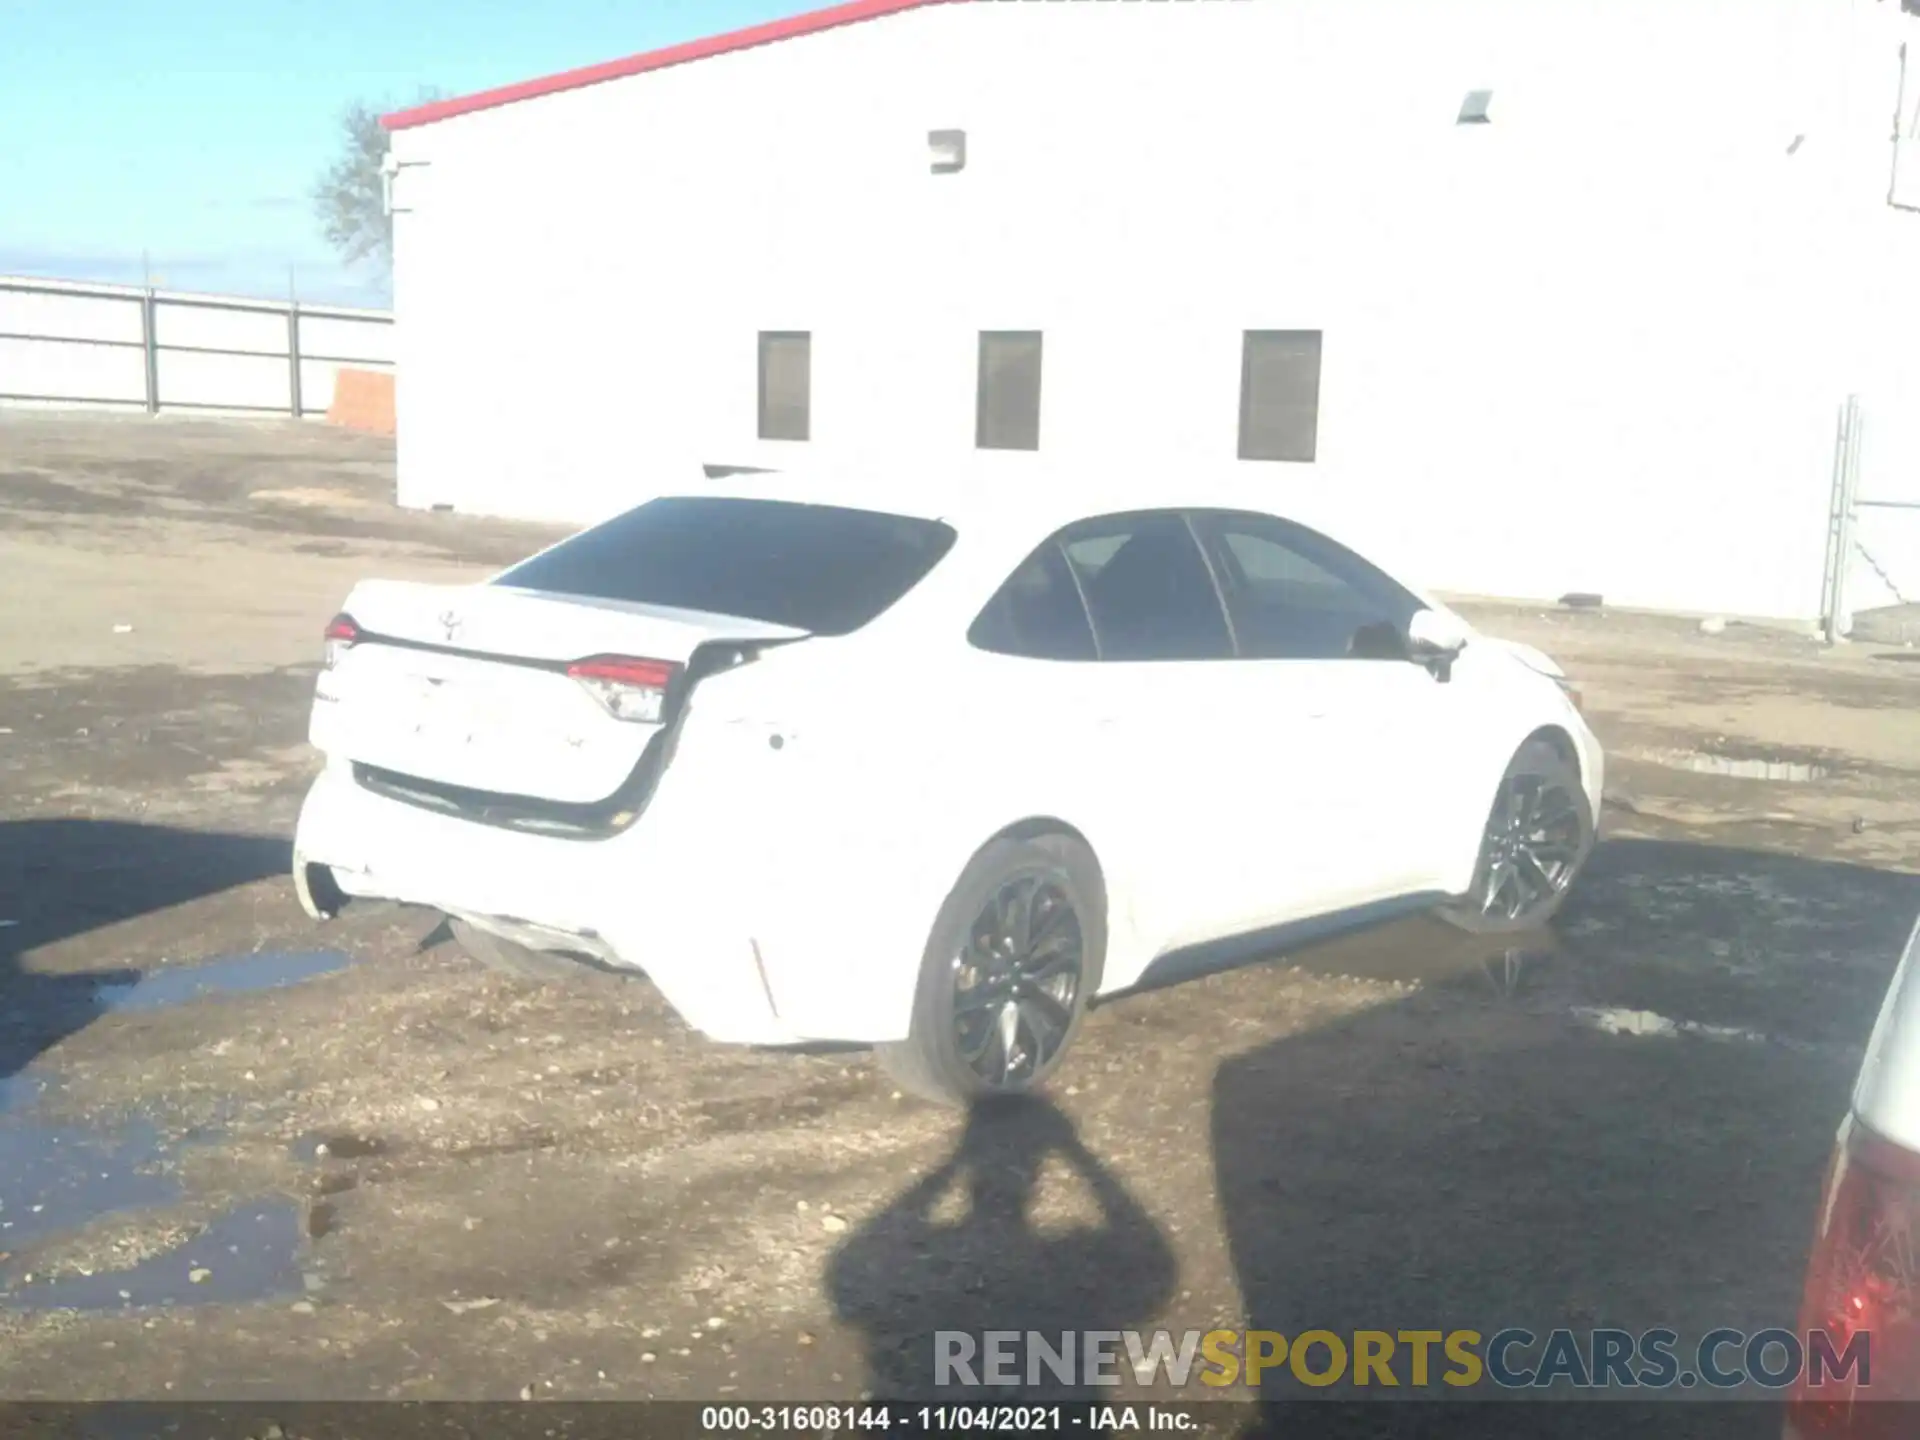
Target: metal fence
<point x="63" y="343"/>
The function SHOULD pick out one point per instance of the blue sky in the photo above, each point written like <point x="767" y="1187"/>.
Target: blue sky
<point x="193" y="130"/>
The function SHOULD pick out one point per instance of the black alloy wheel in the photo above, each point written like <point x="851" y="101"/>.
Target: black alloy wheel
<point x="1016" y="983"/>
<point x="1013" y="958"/>
<point x="1537" y="836"/>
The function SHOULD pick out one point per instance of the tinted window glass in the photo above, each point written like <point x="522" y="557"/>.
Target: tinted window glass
<point x="1037" y="612"/>
<point x="1150" y="595"/>
<point x="1091" y="553"/>
<point x="1296" y="595"/>
<point x="816" y="567"/>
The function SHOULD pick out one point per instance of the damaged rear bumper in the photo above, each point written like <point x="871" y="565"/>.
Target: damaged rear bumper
<point x="627" y="901"/>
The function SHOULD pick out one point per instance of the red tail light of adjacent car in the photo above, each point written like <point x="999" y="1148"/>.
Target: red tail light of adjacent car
<point x="1862" y="1295"/>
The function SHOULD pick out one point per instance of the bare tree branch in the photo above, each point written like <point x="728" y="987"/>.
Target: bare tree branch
<point x="349" y="198"/>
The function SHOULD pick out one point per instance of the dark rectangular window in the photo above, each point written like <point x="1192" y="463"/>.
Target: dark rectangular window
<point x="1279" y="394"/>
<point x="1008" y="417"/>
<point x="786" y="384"/>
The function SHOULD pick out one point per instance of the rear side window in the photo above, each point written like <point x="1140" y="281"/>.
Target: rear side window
<point x="816" y="567"/>
<point x="1037" y="613"/>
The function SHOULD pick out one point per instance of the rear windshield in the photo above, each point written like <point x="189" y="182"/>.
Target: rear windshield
<point x="815" y="567"/>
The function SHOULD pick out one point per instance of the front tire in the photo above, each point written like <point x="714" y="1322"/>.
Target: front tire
<point x="1537" y="836"/>
<point x="1013" y="959"/>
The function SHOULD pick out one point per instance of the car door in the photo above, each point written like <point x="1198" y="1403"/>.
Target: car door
<point x="1086" y="721"/>
<point x="1319" y="632"/>
<point x="1173" y="692"/>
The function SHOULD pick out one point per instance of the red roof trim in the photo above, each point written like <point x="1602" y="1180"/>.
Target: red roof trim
<point x="793" y="26"/>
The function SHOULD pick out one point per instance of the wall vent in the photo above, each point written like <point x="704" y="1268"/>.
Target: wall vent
<point x="1476" y="109"/>
<point x="947" y="150"/>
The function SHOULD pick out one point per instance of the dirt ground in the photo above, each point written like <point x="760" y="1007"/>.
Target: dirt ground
<point x="242" y="1155"/>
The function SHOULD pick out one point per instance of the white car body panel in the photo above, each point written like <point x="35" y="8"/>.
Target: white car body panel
<point x="517" y="728"/>
<point x="1886" y="1097"/>
<point x="821" y="800"/>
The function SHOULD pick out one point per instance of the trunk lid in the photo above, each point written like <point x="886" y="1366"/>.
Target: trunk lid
<point x="469" y="685"/>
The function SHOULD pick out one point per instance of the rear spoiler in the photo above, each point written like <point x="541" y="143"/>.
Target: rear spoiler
<point x="721" y="472"/>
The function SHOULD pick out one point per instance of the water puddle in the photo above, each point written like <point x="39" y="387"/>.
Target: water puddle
<point x="337" y="1145"/>
<point x="17" y="1092"/>
<point x="238" y="975"/>
<point x="1425" y="951"/>
<point x="57" y="1177"/>
<point x="245" y="1255"/>
<point x="1617" y="1021"/>
<point x="1785" y="768"/>
<point x="1793" y="772"/>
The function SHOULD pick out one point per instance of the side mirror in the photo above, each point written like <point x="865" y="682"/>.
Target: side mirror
<point x="1433" y="635"/>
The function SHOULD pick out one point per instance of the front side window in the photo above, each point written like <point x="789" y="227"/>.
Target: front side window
<point x="1148" y="589"/>
<point x="819" y="568"/>
<point x="1296" y="595"/>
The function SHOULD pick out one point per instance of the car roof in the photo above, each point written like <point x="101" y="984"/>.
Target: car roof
<point x="1002" y="508"/>
<point x="1019" y="500"/>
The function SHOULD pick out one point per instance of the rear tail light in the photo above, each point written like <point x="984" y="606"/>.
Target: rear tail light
<point x="627" y="688"/>
<point x="341" y="636"/>
<point x="1862" y="1294"/>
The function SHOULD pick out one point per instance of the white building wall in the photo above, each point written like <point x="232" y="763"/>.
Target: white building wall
<point x="1596" y="345"/>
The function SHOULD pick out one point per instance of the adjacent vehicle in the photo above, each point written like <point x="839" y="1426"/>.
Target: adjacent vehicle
<point x="1863" y="1274"/>
<point x="933" y="771"/>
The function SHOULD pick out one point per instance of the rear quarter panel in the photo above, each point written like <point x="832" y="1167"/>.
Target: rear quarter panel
<point x="888" y="778"/>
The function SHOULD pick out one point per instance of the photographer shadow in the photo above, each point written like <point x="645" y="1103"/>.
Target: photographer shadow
<point x="63" y="877"/>
<point x="974" y="1247"/>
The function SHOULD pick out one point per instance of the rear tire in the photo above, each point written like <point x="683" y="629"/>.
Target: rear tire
<point x="1013" y="959"/>
<point x="1537" y="837"/>
<point x="506" y="957"/>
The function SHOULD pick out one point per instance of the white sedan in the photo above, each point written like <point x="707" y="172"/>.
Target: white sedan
<point x="933" y="771"/>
